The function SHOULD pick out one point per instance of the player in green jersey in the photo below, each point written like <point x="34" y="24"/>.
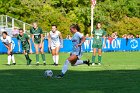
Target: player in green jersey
<point x="38" y="40"/>
<point x="26" y="45"/>
<point x="99" y="34"/>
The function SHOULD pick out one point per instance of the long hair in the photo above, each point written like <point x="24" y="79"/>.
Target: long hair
<point x="75" y="26"/>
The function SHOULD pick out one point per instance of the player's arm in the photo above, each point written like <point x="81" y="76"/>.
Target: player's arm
<point x="10" y="44"/>
<point x="32" y="35"/>
<point x="82" y="41"/>
<point x="41" y="34"/>
<point x="28" y="39"/>
<point x="61" y="40"/>
<point x="42" y="38"/>
<point x="7" y="46"/>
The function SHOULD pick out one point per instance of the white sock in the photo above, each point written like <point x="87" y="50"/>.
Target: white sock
<point x="65" y="67"/>
<point x="9" y="59"/>
<point x="56" y="59"/>
<point x="78" y="62"/>
<point x="13" y="59"/>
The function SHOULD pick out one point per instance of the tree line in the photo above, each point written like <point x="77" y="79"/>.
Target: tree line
<point x="122" y="16"/>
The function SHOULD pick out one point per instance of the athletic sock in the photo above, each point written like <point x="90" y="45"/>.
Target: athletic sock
<point x="9" y="59"/>
<point x="43" y="57"/>
<point x="93" y="59"/>
<point x="56" y="59"/>
<point x="13" y="58"/>
<point x="37" y="57"/>
<point x="99" y="58"/>
<point x="65" y="67"/>
<point x="27" y="58"/>
<point x="79" y="62"/>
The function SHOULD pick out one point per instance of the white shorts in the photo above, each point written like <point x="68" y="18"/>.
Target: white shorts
<point x="54" y="46"/>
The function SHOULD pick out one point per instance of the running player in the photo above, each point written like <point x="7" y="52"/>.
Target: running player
<point x="38" y="40"/>
<point x="77" y="41"/>
<point x="26" y="45"/>
<point x="7" y="41"/>
<point x="99" y="34"/>
<point x="55" y="42"/>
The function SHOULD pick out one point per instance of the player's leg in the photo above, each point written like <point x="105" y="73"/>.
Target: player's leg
<point x="9" y="58"/>
<point x="72" y="59"/>
<point x="99" y="56"/>
<point x="57" y="55"/>
<point x="53" y="54"/>
<point x="37" y="53"/>
<point x="26" y="53"/>
<point x="42" y="54"/>
<point x="12" y="56"/>
<point x="79" y="62"/>
<point x="93" y="56"/>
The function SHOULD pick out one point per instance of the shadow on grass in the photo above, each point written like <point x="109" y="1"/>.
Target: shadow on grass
<point x="32" y="81"/>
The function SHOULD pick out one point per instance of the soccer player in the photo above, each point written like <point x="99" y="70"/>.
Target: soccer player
<point x="77" y="41"/>
<point x="55" y="41"/>
<point x="7" y="41"/>
<point x="26" y="45"/>
<point x="38" y="40"/>
<point x="99" y="34"/>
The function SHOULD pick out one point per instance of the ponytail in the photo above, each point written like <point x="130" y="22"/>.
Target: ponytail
<point x="75" y="26"/>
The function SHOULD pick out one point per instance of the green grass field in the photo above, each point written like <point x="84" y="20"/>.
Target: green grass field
<point x="120" y="73"/>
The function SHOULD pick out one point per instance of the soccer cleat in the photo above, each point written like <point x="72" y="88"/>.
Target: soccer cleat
<point x="37" y="64"/>
<point x="44" y="64"/>
<point x="8" y="64"/>
<point x="56" y="64"/>
<point x="99" y="63"/>
<point x="30" y="62"/>
<point x="60" y="76"/>
<point x="14" y="63"/>
<point x="93" y="64"/>
<point x="87" y="62"/>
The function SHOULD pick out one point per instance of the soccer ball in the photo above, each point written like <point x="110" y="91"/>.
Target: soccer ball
<point x="48" y="73"/>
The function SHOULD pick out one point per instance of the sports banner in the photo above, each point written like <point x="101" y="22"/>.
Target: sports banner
<point x="111" y="45"/>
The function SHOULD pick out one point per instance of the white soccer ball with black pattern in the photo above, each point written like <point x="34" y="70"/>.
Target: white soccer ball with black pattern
<point x="48" y="73"/>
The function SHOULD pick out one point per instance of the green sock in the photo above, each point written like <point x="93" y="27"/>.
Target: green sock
<point x="37" y="57"/>
<point x="93" y="59"/>
<point x="43" y="57"/>
<point x="27" y="58"/>
<point x="99" y="58"/>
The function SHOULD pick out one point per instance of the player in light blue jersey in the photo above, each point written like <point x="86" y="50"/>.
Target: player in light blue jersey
<point x="77" y="41"/>
<point x="55" y="41"/>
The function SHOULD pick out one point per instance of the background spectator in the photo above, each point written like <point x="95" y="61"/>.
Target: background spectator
<point x="68" y="37"/>
<point x="15" y="32"/>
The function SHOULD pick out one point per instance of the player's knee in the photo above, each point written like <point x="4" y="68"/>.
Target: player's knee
<point x="42" y="52"/>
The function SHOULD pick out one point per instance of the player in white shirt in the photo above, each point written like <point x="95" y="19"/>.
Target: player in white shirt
<point x="7" y="41"/>
<point x="55" y="41"/>
<point x="77" y="40"/>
